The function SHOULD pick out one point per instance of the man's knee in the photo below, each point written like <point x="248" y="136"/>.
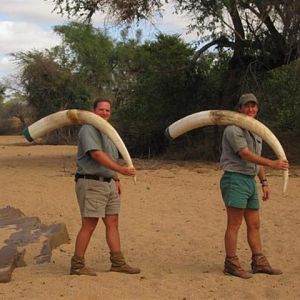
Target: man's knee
<point x="234" y="225"/>
<point x="111" y="220"/>
<point x="255" y="225"/>
<point x="89" y="224"/>
<point x="234" y="218"/>
<point x="252" y="219"/>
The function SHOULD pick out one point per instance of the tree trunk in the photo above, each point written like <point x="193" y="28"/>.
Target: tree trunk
<point x="231" y="93"/>
<point x="22" y="120"/>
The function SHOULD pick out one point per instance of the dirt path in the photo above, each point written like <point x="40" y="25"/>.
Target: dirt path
<point x="172" y="226"/>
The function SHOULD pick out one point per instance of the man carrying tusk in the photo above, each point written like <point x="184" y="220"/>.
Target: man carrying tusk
<point x="98" y="189"/>
<point x="241" y="161"/>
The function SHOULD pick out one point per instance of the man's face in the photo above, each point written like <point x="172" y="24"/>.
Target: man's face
<point x="250" y="109"/>
<point x="103" y="110"/>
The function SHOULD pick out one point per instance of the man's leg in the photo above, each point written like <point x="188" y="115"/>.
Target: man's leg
<point x="112" y="232"/>
<point x="234" y="221"/>
<point x="253" y="233"/>
<point x="259" y="263"/>
<point x="232" y="265"/>
<point x="113" y="240"/>
<point x="88" y="226"/>
<point x="78" y="267"/>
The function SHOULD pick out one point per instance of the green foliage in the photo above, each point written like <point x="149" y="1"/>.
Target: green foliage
<point x="127" y="68"/>
<point x="50" y="86"/>
<point x="2" y="97"/>
<point x="17" y="107"/>
<point x="91" y="51"/>
<point x="2" y="92"/>
<point x="151" y="84"/>
<point x="168" y="87"/>
<point x="269" y="26"/>
<point x="281" y="98"/>
<point x="70" y="75"/>
<point x="120" y="9"/>
<point x="12" y="108"/>
<point x="262" y="35"/>
<point x="155" y="93"/>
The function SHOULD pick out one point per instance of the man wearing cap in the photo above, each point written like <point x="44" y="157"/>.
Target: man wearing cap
<point x="241" y="161"/>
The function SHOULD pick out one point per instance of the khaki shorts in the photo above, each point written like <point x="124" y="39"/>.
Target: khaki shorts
<point x="97" y="198"/>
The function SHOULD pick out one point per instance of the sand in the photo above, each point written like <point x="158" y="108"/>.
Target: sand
<point x="172" y="226"/>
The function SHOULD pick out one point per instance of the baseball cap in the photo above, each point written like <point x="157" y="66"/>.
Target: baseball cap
<point x="245" y="98"/>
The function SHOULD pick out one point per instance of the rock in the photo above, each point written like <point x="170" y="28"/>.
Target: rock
<point x="18" y="232"/>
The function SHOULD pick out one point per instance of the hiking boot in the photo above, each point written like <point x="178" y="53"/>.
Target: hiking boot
<point x="118" y="264"/>
<point x="78" y="267"/>
<point x="232" y="267"/>
<point x="260" y="264"/>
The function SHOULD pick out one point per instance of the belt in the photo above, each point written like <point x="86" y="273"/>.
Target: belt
<point x="93" y="177"/>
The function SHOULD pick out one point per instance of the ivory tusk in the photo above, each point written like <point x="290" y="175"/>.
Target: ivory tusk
<point x="225" y="117"/>
<point x="74" y="116"/>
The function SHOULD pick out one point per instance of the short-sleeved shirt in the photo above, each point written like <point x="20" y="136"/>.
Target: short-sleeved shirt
<point x="234" y="139"/>
<point x="91" y="138"/>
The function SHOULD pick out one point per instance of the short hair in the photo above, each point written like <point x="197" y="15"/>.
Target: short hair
<point x="97" y="101"/>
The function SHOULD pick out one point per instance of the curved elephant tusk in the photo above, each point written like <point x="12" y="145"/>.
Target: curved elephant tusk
<point x="75" y="116"/>
<point x="225" y="117"/>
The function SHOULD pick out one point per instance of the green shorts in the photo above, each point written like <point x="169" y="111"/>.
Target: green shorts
<point x="97" y="199"/>
<point x="239" y="190"/>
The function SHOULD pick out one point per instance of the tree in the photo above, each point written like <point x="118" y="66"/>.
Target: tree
<point x="280" y="92"/>
<point x="120" y="9"/>
<point x="2" y="97"/>
<point x="2" y="92"/>
<point x="165" y="89"/>
<point x="12" y="106"/>
<point x="18" y="108"/>
<point x="91" y="51"/>
<point x="87" y="65"/>
<point x="261" y="34"/>
<point x="127" y="68"/>
<point x="50" y="85"/>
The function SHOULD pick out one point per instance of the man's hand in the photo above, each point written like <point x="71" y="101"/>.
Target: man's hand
<point x="265" y="192"/>
<point x="127" y="171"/>
<point x="119" y="188"/>
<point x="280" y="164"/>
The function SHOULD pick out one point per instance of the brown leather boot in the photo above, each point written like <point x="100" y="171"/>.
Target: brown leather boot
<point x="118" y="264"/>
<point x="78" y="267"/>
<point x="260" y="264"/>
<point x="232" y="267"/>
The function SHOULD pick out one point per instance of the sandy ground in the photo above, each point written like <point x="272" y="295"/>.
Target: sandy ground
<point x="172" y="225"/>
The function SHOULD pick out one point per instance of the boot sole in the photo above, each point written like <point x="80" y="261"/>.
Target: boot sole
<point x="236" y="275"/>
<point x="83" y="274"/>
<point x="124" y="271"/>
<point x="267" y="273"/>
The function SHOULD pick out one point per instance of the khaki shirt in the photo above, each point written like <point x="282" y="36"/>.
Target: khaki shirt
<point x="234" y="139"/>
<point x="92" y="139"/>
